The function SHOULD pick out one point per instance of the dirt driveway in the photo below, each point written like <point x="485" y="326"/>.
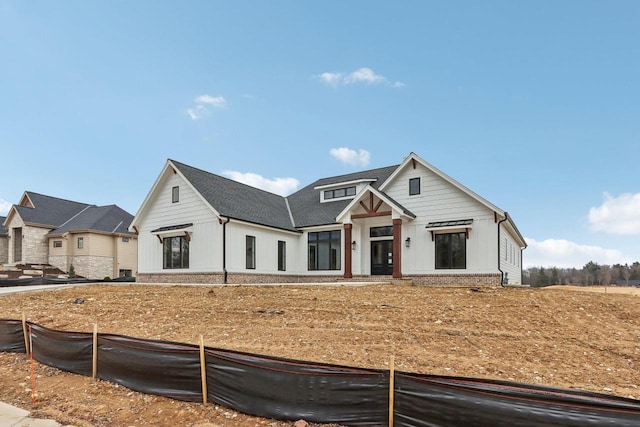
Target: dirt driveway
<point x="557" y="337"/>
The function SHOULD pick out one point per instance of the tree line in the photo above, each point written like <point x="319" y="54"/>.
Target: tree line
<point x="591" y="274"/>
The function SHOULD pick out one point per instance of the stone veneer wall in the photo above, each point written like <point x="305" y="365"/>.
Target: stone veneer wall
<point x="92" y="267"/>
<point x="60" y="261"/>
<point x="4" y="250"/>
<point x="35" y="245"/>
<point x="453" y="280"/>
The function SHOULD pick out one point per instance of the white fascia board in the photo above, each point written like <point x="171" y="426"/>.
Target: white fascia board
<point x="414" y="157"/>
<point x="342" y="184"/>
<point x="263" y="227"/>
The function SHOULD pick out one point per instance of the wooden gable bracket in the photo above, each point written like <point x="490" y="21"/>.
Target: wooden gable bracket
<point x="466" y="232"/>
<point x="371" y="211"/>
<point x="159" y="238"/>
<point x="495" y="217"/>
<point x="136" y="230"/>
<point x="413" y="162"/>
<point x="186" y="233"/>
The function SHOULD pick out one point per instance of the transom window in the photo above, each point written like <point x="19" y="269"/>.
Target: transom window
<point x="381" y="231"/>
<point x="324" y="250"/>
<point x="414" y="186"/>
<point x="176" y="252"/>
<point x="339" y="192"/>
<point x="451" y="250"/>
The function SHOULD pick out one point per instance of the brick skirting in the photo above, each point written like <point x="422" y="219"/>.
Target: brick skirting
<point x="437" y="280"/>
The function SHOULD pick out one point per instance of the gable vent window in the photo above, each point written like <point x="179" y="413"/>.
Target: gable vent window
<point x="340" y="192"/>
<point x="175" y="194"/>
<point x="414" y="186"/>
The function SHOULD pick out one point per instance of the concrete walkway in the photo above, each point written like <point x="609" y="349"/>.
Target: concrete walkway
<point x="10" y="416"/>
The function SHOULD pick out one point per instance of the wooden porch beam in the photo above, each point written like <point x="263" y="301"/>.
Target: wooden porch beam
<point x="370" y="215"/>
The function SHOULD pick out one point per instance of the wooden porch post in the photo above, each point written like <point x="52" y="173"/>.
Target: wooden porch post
<point x="397" y="247"/>
<point x="347" y="251"/>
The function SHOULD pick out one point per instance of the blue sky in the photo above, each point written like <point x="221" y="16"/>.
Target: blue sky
<point x="535" y="105"/>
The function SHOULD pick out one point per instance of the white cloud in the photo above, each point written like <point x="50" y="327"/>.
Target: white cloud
<point x="566" y="254"/>
<point x="281" y="186"/>
<point x="4" y="207"/>
<point x="202" y="101"/>
<point x="362" y="75"/>
<point x="351" y="157"/>
<point x="617" y="215"/>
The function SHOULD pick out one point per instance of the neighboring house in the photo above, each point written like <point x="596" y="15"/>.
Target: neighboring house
<point x="95" y="239"/>
<point x="408" y="221"/>
<point x="4" y="242"/>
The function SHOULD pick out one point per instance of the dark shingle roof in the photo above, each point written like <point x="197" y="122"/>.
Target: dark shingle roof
<point x="239" y="201"/>
<point x="49" y="211"/>
<point x="3" y="230"/>
<point x="305" y="203"/>
<point x="108" y="219"/>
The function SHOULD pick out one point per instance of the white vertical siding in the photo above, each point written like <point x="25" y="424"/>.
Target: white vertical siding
<point x="510" y="260"/>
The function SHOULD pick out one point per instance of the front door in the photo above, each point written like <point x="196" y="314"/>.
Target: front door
<point x="382" y="257"/>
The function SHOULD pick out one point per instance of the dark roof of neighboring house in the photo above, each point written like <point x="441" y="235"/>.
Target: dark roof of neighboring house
<point x="3" y="230"/>
<point x="108" y="219"/>
<point x="49" y="211"/>
<point x="306" y="208"/>
<point x="235" y="200"/>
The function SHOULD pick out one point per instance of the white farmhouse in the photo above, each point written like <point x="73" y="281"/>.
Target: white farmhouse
<point x="409" y="221"/>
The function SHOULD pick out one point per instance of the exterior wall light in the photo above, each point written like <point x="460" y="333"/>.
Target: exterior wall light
<point x="407" y="242"/>
<point x="353" y="245"/>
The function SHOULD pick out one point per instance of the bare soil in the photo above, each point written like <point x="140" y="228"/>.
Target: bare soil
<point x="556" y="337"/>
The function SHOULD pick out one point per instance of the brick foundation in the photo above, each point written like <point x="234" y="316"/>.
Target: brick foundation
<point x="452" y="280"/>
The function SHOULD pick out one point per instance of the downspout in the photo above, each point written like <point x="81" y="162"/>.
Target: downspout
<point x="506" y="216"/>
<point x="224" y="249"/>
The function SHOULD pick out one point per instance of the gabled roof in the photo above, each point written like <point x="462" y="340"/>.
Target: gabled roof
<point x="48" y="211"/>
<point x="239" y="201"/>
<point x="106" y="219"/>
<point x="306" y="208"/>
<point x="404" y="212"/>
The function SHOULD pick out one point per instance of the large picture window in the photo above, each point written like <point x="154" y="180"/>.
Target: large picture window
<point x="451" y="251"/>
<point x="251" y="252"/>
<point x="176" y="252"/>
<point x="324" y="250"/>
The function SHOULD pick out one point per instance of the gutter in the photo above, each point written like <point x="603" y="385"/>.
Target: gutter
<point x="506" y="217"/>
<point x="224" y="248"/>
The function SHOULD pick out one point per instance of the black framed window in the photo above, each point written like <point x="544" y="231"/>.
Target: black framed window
<point x="175" y="194"/>
<point x="381" y="231"/>
<point x="340" y="192"/>
<point x="414" y="186"/>
<point x="176" y="252"/>
<point x="251" y="252"/>
<point x="451" y="251"/>
<point x="282" y="255"/>
<point x="57" y="243"/>
<point x="324" y="250"/>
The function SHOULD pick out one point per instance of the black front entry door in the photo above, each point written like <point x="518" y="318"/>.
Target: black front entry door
<point x="382" y="257"/>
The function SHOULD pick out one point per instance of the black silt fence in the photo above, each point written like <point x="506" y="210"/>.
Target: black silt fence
<point x="290" y="390"/>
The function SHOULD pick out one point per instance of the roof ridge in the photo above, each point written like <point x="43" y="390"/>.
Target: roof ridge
<point x="57" y="198"/>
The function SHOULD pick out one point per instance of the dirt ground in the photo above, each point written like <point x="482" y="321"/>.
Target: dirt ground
<point x="552" y="336"/>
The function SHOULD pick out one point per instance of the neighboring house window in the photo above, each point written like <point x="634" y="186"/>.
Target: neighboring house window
<point x="324" y="250"/>
<point x="175" y="194"/>
<point x="414" y="186"/>
<point x="339" y="192"/>
<point x="451" y="251"/>
<point x="124" y="273"/>
<point x="57" y="243"/>
<point x="251" y="252"/>
<point x="125" y="240"/>
<point x="80" y="242"/>
<point x="282" y="255"/>
<point x="176" y="252"/>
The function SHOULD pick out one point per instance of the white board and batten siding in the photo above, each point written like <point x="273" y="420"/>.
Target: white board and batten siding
<point x="510" y="257"/>
<point x="439" y="200"/>
<point x="205" y="250"/>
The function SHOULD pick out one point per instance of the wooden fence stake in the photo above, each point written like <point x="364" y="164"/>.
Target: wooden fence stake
<point x="33" y="369"/>
<point x="392" y="374"/>
<point x="95" y="351"/>
<point x="203" y="371"/>
<point x="24" y="332"/>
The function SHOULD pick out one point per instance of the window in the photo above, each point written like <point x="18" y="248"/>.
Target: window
<point x="80" y="242"/>
<point x="176" y="252"/>
<point x="381" y="231"/>
<point x="451" y="251"/>
<point x="124" y="273"/>
<point x="324" y="250"/>
<point x="282" y="255"/>
<point x="175" y="194"/>
<point x="57" y="243"/>
<point x="125" y="240"/>
<point x="339" y="192"/>
<point x="251" y="252"/>
<point x="414" y="186"/>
